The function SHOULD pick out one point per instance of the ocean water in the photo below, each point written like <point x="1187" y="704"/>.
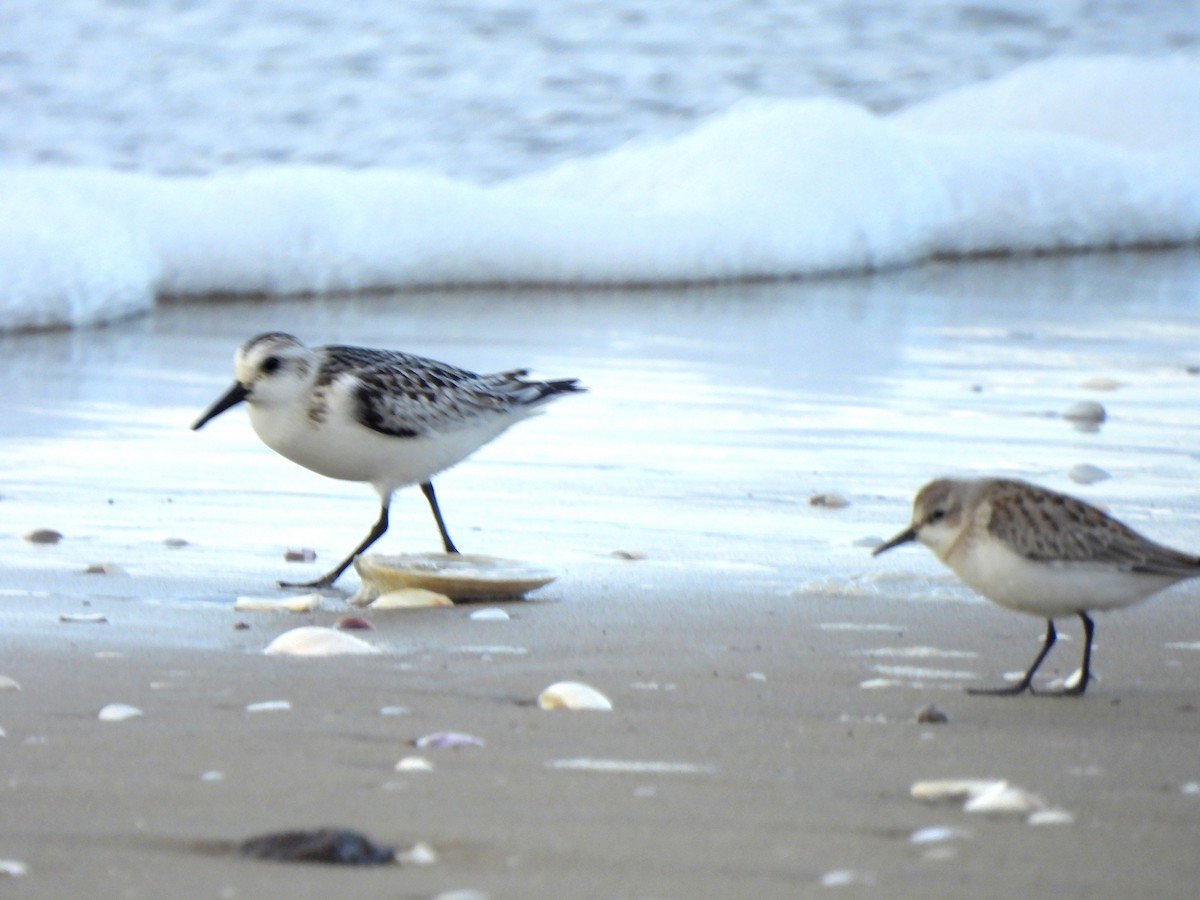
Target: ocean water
<point x="193" y="149"/>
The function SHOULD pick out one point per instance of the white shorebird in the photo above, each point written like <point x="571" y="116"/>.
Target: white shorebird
<point x="1040" y="552"/>
<point x="380" y="416"/>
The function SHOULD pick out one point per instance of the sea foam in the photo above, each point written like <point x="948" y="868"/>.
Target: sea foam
<point x="1063" y="154"/>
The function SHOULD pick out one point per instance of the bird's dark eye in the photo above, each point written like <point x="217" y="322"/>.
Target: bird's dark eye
<point x="271" y="364"/>
<point x="937" y="515"/>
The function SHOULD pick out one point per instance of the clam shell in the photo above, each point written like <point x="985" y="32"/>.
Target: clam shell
<point x="467" y="576"/>
<point x="313" y="640"/>
<point x="1005" y="798"/>
<point x="573" y="695"/>
<point x="410" y="598"/>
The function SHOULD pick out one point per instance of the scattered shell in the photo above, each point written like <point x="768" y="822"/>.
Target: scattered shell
<point x="1086" y="412"/>
<point x="104" y="569"/>
<point x="937" y="833"/>
<point x="1086" y="473"/>
<point x="957" y="790"/>
<point x="461" y="894"/>
<point x="419" y="854"/>
<point x="341" y="846"/>
<point x="313" y="640"/>
<point x="83" y="618"/>
<point x="302" y="603"/>
<point x="394" y="710"/>
<point x="755" y="676"/>
<point x="241" y="625"/>
<point x="8" y="684"/>
<point x="875" y="684"/>
<point x="353" y="623"/>
<point x="631" y="766"/>
<point x="174" y="543"/>
<point x="447" y="739"/>
<point x="931" y="715"/>
<point x="459" y="576"/>
<point x="1050" y="817"/>
<point x="414" y="764"/>
<point x="268" y="706"/>
<point x="43" y="536"/>
<point x="829" y="501"/>
<point x="12" y="868"/>
<point x="303" y="555"/>
<point x="118" y="712"/>
<point x="490" y="614"/>
<point x="410" y="598"/>
<point x="1005" y="798"/>
<point x="573" y="695"/>
<point x="843" y="877"/>
<point x="632" y="555"/>
<point x="1190" y="787"/>
<point x="1101" y="384"/>
<point x="212" y="775"/>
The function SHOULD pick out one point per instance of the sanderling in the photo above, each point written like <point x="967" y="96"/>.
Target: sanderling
<point x="1037" y="551"/>
<point x="388" y="418"/>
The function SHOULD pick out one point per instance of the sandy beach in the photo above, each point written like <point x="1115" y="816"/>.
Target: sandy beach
<point x="765" y="672"/>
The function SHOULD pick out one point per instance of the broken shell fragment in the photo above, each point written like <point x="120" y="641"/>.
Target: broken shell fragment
<point x="313" y="640"/>
<point x="410" y="598"/>
<point x="83" y="618"/>
<point x="414" y="764"/>
<point x="1050" y="817"/>
<point x="104" y="569"/>
<point x="447" y="739"/>
<point x="9" y="684"/>
<point x="829" y="500"/>
<point x="460" y="576"/>
<point x="1086" y="473"/>
<point x="118" y="712"/>
<point x="1087" y="412"/>
<point x="12" y="868"/>
<point x="353" y="623"/>
<point x="931" y="715"/>
<point x="304" y="555"/>
<point x="573" y="695"/>
<point x="490" y="614"/>
<point x="269" y="706"/>
<point x="1005" y="798"/>
<point x="43" y="536"/>
<point x="953" y="790"/>
<point x="302" y="603"/>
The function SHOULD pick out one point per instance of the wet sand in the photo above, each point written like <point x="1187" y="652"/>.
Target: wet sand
<point x="735" y="653"/>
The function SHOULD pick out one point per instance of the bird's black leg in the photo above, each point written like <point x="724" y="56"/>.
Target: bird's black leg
<point x="1026" y="683"/>
<point x="1085" y="671"/>
<point x="331" y="576"/>
<point x="427" y="490"/>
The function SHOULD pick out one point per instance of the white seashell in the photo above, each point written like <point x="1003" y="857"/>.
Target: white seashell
<point x="460" y="576"/>
<point x="956" y="790"/>
<point x="269" y="706"/>
<point x="448" y="739"/>
<point x="414" y="764"/>
<point x="573" y="695"/>
<point x="394" y="710"/>
<point x="12" y="868"/>
<point x="1086" y="473"/>
<point x="936" y="834"/>
<point x="8" y="684"/>
<point x="1050" y="817"/>
<point x="461" y="894"/>
<point x="302" y="603"/>
<point x="313" y="640"/>
<point x="409" y="598"/>
<point x="1005" y="798"/>
<point x="419" y="854"/>
<point x="755" y="676"/>
<point x="118" y="712"/>
<point x="212" y="775"/>
<point x="490" y="614"/>
<point x="1190" y="787"/>
<point x="874" y="684"/>
<point x="83" y="618"/>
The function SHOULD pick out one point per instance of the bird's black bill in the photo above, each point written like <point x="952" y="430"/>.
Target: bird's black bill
<point x="902" y="538"/>
<point x="232" y="397"/>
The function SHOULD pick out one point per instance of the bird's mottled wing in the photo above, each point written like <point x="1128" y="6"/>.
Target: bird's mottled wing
<point x="403" y="395"/>
<point x="1047" y="526"/>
